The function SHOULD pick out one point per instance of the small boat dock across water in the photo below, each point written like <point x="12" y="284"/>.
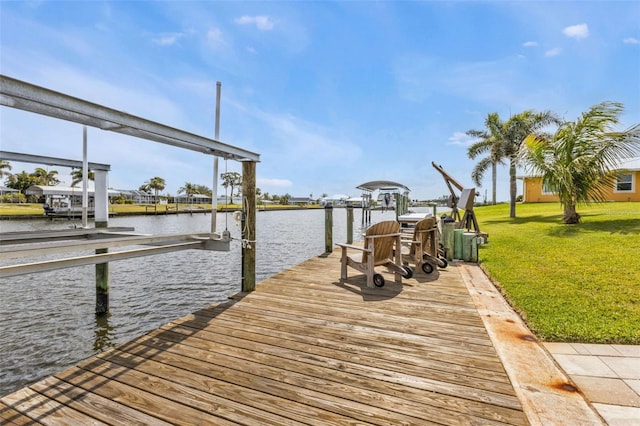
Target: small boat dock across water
<point x="304" y="348"/>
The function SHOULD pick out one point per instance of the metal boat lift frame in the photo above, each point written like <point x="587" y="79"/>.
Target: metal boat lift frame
<point x="28" y="97"/>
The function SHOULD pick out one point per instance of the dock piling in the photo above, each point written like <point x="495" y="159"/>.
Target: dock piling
<point x="328" y="229"/>
<point x="249" y="226"/>
<point x="349" y="224"/>
<point x="101" y="214"/>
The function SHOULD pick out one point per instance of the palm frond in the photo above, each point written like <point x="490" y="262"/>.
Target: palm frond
<point x="579" y="159"/>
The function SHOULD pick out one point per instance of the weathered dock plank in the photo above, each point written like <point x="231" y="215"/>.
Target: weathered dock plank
<point x="303" y="348"/>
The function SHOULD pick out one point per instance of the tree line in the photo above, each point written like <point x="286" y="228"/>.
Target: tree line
<point x="231" y="181"/>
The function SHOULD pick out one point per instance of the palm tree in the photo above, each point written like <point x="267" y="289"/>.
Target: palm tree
<point x="22" y="181"/>
<point x="157" y="184"/>
<point x="190" y="189"/>
<point x="232" y="179"/>
<point x="4" y="167"/>
<point x="486" y="144"/>
<point x="45" y="177"/>
<point x="204" y="190"/>
<point x="578" y="161"/>
<point x="509" y="136"/>
<point x="76" y="176"/>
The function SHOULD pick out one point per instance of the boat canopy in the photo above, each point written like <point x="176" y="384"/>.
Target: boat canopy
<point x="62" y="190"/>
<point x="380" y="184"/>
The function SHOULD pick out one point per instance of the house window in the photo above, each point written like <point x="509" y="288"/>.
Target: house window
<point x="546" y="189"/>
<point x="624" y="183"/>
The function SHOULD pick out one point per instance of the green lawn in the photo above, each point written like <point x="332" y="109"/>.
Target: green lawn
<point x="24" y="208"/>
<point x="572" y="283"/>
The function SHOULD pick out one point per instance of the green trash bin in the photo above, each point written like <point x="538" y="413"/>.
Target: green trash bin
<point x="447" y="238"/>
<point x="470" y="247"/>
<point x="457" y="243"/>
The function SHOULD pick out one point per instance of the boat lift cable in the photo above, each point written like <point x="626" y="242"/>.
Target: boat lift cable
<point x="245" y="242"/>
<point x="226" y="198"/>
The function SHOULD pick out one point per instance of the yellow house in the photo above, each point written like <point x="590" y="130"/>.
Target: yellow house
<point x="625" y="188"/>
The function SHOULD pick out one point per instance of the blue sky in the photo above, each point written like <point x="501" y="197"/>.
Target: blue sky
<point x="330" y="94"/>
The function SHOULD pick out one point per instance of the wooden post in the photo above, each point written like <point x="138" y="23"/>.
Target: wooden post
<point x="349" y="224"/>
<point x="328" y="229"/>
<point x="101" y="212"/>
<point x="249" y="226"/>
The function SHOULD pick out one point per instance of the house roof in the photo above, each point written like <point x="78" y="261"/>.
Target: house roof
<point x="630" y="164"/>
<point x="4" y="189"/>
<point x="195" y="196"/>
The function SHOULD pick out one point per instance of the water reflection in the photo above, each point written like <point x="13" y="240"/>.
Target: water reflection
<point x="104" y="334"/>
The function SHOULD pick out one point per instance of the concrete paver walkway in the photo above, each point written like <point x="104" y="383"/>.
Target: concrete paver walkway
<point x="547" y="395"/>
<point x="606" y="378"/>
<point x="607" y="375"/>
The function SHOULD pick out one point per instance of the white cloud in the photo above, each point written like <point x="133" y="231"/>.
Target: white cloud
<point x="168" y="39"/>
<point x="461" y="138"/>
<point x="631" y="40"/>
<point x="299" y="140"/>
<point x="486" y="82"/>
<point x="279" y="183"/>
<point x="577" y="31"/>
<point x="553" y="52"/>
<point x="215" y="38"/>
<point x="263" y="23"/>
<point x="530" y="44"/>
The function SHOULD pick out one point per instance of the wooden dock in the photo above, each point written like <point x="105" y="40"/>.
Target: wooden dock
<point x="302" y="348"/>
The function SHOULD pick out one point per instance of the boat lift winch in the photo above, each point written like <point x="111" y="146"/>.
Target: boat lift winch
<point x="465" y="201"/>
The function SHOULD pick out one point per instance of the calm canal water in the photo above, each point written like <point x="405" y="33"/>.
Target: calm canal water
<point x="47" y="320"/>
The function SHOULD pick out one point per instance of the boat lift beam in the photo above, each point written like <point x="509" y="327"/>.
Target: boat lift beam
<point x="102" y="241"/>
<point x="29" y="97"/>
<point x="21" y="245"/>
<point x="50" y="161"/>
<point x="51" y="265"/>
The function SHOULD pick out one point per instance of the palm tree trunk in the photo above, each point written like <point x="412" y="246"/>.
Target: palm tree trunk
<point x="513" y="188"/>
<point x="570" y="216"/>
<point x="493" y="182"/>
